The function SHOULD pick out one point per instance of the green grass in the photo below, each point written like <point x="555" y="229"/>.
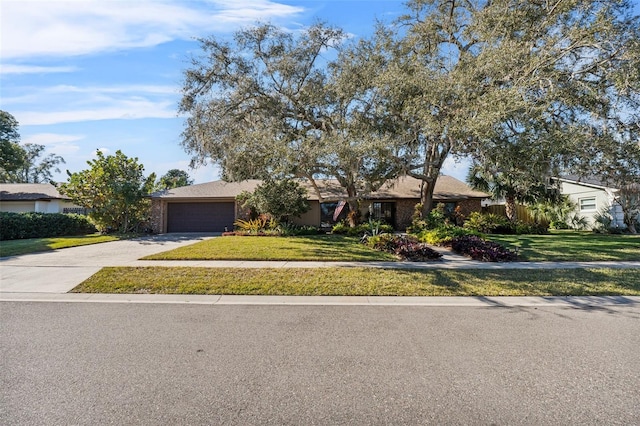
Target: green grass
<point x="572" y="246"/>
<point x="363" y="281"/>
<point x="35" y="245"/>
<point x="317" y="247"/>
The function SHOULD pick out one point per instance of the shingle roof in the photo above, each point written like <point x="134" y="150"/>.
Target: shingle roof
<point x="215" y="189"/>
<point x="29" y="192"/>
<point x="447" y="188"/>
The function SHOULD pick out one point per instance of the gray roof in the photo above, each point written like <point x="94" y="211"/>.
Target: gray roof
<point x="215" y="189"/>
<point x="447" y="188"/>
<point x="29" y="192"/>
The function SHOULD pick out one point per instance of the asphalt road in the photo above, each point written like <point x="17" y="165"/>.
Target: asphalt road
<point x="98" y="363"/>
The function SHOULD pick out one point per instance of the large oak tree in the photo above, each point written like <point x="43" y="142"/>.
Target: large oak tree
<point x="500" y="79"/>
<point x="273" y="104"/>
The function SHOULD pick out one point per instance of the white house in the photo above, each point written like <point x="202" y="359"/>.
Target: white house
<point x="34" y="197"/>
<point x="592" y="197"/>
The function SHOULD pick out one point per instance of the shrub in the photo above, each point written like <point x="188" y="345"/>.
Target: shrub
<point x="605" y="224"/>
<point x="261" y="224"/>
<point x="436" y="218"/>
<point x="362" y="229"/>
<point x="279" y="199"/>
<point x="404" y="246"/>
<point x="340" y="228"/>
<point x="15" y="226"/>
<point x="479" y="249"/>
<point x="265" y="225"/>
<point x="522" y="228"/>
<point x="495" y="224"/>
<point x="290" y="229"/>
<point x="443" y="235"/>
<point x="488" y="223"/>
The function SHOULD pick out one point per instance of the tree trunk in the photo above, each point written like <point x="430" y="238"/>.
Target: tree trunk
<point x="510" y="208"/>
<point x="630" y="221"/>
<point x="354" y="206"/>
<point x="426" y="196"/>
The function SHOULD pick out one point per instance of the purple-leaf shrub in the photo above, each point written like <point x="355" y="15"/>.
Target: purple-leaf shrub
<point x="406" y="247"/>
<point x="479" y="249"/>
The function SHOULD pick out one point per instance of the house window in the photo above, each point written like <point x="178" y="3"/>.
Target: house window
<point x="75" y="210"/>
<point x="384" y="212"/>
<point x="450" y="210"/>
<point x="332" y="213"/>
<point x="587" y="204"/>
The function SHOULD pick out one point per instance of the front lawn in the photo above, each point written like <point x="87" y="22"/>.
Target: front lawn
<point x="315" y="248"/>
<point x="363" y="282"/>
<point x="35" y="245"/>
<point x="572" y="246"/>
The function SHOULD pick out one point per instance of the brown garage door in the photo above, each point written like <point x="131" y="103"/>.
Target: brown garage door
<point x="200" y="217"/>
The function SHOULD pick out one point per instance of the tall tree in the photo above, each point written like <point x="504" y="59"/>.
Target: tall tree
<point x="269" y="105"/>
<point x="36" y="168"/>
<point x="517" y="168"/>
<point x="23" y="163"/>
<point x="174" y="178"/>
<point x="466" y="72"/>
<point x="515" y="183"/>
<point x="114" y="190"/>
<point x="12" y="155"/>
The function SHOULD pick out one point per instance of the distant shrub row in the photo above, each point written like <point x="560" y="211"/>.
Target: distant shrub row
<point x="14" y="226"/>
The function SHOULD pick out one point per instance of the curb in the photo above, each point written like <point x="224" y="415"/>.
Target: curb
<point x="579" y="302"/>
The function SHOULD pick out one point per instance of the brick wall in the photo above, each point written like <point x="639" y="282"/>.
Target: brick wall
<point x="158" y="208"/>
<point x="404" y="213"/>
<point x="469" y="206"/>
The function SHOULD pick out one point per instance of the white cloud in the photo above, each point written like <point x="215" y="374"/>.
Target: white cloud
<point x="124" y="110"/>
<point x="37" y="95"/>
<point x="69" y="28"/>
<point x="72" y="104"/>
<point x="59" y="144"/>
<point x="33" y="69"/>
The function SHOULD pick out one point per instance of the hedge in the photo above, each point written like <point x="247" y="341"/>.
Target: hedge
<point x="15" y="226"/>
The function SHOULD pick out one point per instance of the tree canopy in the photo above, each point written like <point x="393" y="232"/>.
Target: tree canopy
<point x="472" y="77"/>
<point x="489" y="79"/>
<point x="11" y="153"/>
<point x="23" y="163"/>
<point x="272" y="105"/>
<point x="36" y="167"/>
<point x="114" y="189"/>
<point x="174" y="178"/>
<point x="281" y="199"/>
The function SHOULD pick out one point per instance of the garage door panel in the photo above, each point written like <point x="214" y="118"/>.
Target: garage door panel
<point x="200" y="217"/>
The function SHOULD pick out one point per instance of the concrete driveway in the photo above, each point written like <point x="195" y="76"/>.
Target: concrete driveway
<point x="59" y="271"/>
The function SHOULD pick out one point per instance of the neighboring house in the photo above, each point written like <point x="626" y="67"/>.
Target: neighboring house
<point x="592" y="197"/>
<point x="212" y="207"/>
<point x="34" y="197"/>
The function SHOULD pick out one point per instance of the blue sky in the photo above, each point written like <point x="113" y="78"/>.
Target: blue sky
<point x="86" y="75"/>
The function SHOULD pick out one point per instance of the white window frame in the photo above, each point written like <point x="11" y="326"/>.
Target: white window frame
<point x="588" y="204"/>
